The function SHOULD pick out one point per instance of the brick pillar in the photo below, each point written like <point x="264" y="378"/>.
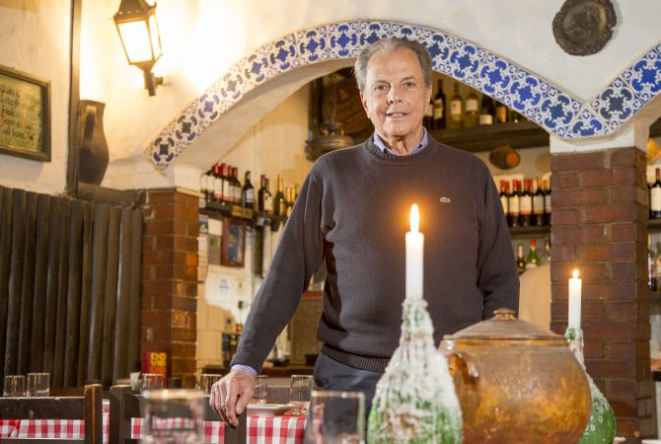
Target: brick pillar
<point x="599" y="226"/>
<point x="169" y="302"/>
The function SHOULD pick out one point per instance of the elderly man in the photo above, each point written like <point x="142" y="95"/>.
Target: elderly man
<point x="353" y="212"/>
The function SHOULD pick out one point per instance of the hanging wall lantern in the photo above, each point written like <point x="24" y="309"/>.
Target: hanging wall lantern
<point x="138" y="30"/>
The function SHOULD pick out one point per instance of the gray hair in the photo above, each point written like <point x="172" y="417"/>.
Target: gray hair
<point x="388" y="45"/>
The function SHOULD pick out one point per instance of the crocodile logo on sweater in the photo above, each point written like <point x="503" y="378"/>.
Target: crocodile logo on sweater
<point x="445" y="200"/>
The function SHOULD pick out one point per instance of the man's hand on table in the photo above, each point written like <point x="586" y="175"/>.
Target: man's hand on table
<point x="230" y="396"/>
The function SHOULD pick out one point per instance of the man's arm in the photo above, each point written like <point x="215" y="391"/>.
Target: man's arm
<point x="497" y="275"/>
<point x="298" y="255"/>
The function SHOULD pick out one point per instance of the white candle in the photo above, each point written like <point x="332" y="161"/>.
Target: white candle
<point x="575" y="301"/>
<point x="414" y="263"/>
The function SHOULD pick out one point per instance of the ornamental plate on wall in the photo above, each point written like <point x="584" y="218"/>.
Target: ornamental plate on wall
<point x="583" y="27"/>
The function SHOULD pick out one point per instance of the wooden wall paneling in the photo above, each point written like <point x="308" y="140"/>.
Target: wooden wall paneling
<point x="15" y="282"/>
<point x="52" y="285"/>
<point x="110" y="297"/>
<point x="85" y="294"/>
<point x="99" y="270"/>
<point x="123" y="294"/>
<point x="40" y="284"/>
<point x="27" y="296"/>
<point x="5" y="260"/>
<point x="73" y="294"/>
<point x="135" y="304"/>
<point x="62" y="290"/>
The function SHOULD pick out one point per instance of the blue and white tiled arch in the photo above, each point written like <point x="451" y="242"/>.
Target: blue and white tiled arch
<point x="555" y="110"/>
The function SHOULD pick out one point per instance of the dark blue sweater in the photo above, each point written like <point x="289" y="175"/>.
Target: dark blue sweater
<point x="353" y="210"/>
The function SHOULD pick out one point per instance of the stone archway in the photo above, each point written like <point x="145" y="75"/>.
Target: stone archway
<point x="553" y="109"/>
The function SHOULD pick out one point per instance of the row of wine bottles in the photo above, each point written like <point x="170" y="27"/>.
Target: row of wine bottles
<point x="533" y="258"/>
<point x="526" y="206"/>
<point x="221" y="184"/>
<point x="466" y="113"/>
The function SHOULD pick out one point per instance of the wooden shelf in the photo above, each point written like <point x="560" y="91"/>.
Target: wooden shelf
<point x="654" y="225"/>
<point x="530" y="231"/>
<point x="487" y="137"/>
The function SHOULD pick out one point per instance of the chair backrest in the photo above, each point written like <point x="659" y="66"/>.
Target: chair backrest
<point x="88" y="407"/>
<point x="125" y="405"/>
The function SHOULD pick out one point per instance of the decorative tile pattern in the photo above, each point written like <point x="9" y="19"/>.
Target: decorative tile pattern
<point x="586" y="124"/>
<point x="616" y="104"/>
<point x="313" y="45"/>
<point x="555" y="110"/>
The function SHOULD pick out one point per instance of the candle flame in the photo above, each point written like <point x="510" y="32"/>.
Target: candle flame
<point x="415" y="218"/>
<point x="576" y="274"/>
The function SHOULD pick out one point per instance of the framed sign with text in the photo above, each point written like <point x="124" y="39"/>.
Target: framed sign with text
<point x="24" y="115"/>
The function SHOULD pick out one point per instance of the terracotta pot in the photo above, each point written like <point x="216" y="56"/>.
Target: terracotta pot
<point x="517" y="383"/>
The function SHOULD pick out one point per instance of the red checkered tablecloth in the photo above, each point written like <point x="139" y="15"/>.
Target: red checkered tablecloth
<point x="52" y="428"/>
<point x="260" y="430"/>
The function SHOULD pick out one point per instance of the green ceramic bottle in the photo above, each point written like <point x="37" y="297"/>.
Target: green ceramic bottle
<point x="415" y="399"/>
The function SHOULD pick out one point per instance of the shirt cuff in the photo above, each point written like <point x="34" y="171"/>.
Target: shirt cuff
<point x="245" y="368"/>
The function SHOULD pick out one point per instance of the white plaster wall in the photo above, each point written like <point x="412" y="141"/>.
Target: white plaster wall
<point x="202" y="38"/>
<point x="34" y="38"/>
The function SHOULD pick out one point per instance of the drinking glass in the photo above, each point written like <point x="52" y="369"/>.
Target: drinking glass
<point x="173" y="416"/>
<point x="299" y="393"/>
<point x="14" y="386"/>
<point x="261" y="390"/>
<point x="337" y="417"/>
<point x="207" y="380"/>
<point x="152" y="381"/>
<point x="38" y="384"/>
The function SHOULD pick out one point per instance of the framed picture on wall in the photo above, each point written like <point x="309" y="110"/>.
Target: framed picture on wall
<point x="233" y="243"/>
<point x="24" y="115"/>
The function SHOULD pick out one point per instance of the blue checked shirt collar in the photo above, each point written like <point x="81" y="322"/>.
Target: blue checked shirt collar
<point x="419" y="147"/>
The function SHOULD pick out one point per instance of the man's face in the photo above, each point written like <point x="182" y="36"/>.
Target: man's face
<point x="395" y="96"/>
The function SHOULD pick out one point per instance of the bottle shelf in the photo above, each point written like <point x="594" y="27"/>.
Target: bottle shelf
<point x="654" y="225"/>
<point x="530" y="231"/>
<point x="487" y="137"/>
<point x="254" y="218"/>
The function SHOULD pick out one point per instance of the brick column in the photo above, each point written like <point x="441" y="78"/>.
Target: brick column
<point x="599" y="225"/>
<point x="169" y="301"/>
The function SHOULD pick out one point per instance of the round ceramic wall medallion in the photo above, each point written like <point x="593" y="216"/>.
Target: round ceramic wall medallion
<point x="583" y="27"/>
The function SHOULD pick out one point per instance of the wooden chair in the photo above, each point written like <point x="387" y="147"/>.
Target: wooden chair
<point x="125" y="405"/>
<point x="88" y="407"/>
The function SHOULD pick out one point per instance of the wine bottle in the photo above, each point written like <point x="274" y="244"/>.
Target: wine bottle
<point x="501" y="113"/>
<point x="472" y="114"/>
<point x="656" y="196"/>
<point x="261" y="194"/>
<point x="547" y="202"/>
<point x="211" y="179"/>
<point x="248" y="192"/>
<point x="279" y="199"/>
<point x="456" y="108"/>
<point x="237" y="186"/>
<point x="520" y="260"/>
<point x="514" y="204"/>
<point x="526" y="205"/>
<point x="268" y="199"/>
<point x="218" y="184"/>
<point x="224" y="192"/>
<point x="532" y="260"/>
<point x="439" y="108"/>
<point x="486" y="110"/>
<point x="504" y="197"/>
<point x="538" y="203"/>
<point x="428" y="120"/>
